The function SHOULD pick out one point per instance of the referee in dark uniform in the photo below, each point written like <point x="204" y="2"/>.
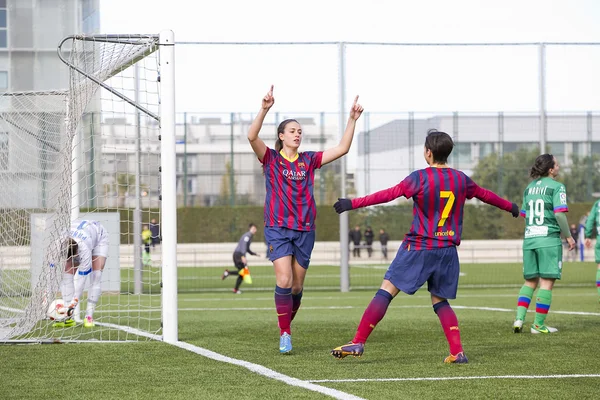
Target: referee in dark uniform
<point x="239" y="257"/>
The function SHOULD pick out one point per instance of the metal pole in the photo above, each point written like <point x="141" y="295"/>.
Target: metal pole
<point x="321" y="172"/>
<point x="590" y="155"/>
<point x="344" y="266"/>
<point x="231" y="169"/>
<point x="411" y="142"/>
<point x="168" y="189"/>
<point x="500" y="152"/>
<point x="92" y="194"/>
<point x="542" y="89"/>
<point x="455" y="138"/>
<point x="365" y="150"/>
<point x="74" y="164"/>
<point x="137" y="211"/>
<point x="185" y="159"/>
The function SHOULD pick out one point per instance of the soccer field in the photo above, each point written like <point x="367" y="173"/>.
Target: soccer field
<point x="363" y="276"/>
<point x="403" y="357"/>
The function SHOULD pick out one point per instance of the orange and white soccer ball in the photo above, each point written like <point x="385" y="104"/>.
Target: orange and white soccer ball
<point x="54" y="310"/>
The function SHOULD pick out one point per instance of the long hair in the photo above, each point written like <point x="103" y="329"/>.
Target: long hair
<point x="280" y="129"/>
<point x="542" y="166"/>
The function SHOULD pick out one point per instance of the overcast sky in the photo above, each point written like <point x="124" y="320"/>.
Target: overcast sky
<point x="389" y="79"/>
<point x="233" y="78"/>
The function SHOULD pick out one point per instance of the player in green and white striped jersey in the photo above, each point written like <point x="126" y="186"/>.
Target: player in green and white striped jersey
<point x="593" y="221"/>
<point x="544" y="207"/>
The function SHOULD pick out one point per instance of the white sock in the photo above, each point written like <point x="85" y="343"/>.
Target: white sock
<point x="94" y="292"/>
<point x="67" y="287"/>
<point x="79" y="285"/>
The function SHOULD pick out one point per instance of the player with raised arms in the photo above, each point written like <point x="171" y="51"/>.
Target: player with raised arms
<point x="544" y="207"/>
<point x="87" y="250"/>
<point x="290" y="208"/>
<point x="428" y="252"/>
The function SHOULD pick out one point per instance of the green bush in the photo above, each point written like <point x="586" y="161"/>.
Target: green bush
<point x="227" y="224"/>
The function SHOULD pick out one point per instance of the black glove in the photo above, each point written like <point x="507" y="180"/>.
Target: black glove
<point x="342" y="205"/>
<point x="515" y="210"/>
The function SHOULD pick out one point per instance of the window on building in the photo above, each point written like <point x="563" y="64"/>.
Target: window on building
<point x="557" y="149"/>
<point x="3" y="151"/>
<point x="461" y="154"/>
<point x="191" y="185"/>
<point x="3" y="24"/>
<point x="579" y="149"/>
<point x="510" y="147"/>
<point x="595" y="147"/>
<point x="3" y="80"/>
<point x="485" y="149"/>
<point x="191" y="164"/>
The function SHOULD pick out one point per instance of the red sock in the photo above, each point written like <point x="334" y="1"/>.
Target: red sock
<point x="373" y="314"/>
<point x="450" y="325"/>
<point x="283" y="305"/>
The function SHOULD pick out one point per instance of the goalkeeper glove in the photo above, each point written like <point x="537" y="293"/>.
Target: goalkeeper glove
<point x="71" y="307"/>
<point x="515" y="210"/>
<point x="342" y="205"/>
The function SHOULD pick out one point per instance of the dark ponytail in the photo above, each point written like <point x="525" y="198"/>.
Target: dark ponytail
<point x="542" y="166"/>
<point x="280" y="129"/>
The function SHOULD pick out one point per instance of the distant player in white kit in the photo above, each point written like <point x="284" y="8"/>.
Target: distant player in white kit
<point x="87" y="249"/>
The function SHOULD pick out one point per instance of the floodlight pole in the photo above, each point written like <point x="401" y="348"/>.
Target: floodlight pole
<point x="168" y="191"/>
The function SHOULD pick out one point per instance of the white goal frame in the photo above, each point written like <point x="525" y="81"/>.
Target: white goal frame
<point x="168" y="190"/>
<point x="86" y="82"/>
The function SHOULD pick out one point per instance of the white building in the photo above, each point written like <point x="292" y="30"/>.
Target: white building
<point x="388" y="153"/>
<point x="30" y="31"/>
<point x="207" y="147"/>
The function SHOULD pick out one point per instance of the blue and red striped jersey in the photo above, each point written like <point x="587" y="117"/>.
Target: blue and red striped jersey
<point x="439" y="196"/>
<point x="290" y="202"/>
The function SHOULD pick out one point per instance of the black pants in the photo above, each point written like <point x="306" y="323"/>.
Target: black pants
<point x="239" y="264"/>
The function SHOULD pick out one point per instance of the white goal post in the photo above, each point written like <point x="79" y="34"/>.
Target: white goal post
<point x="102" y="149"/>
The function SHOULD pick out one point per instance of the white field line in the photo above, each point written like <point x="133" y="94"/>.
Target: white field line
<point x="457" y="378"/>
<point x="258" y="369"/>
<point x="243" y="299"/>
<point x="13" y="310"/>
<point x="270" y="309"/>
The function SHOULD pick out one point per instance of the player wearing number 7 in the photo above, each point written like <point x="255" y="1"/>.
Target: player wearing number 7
<point x="428" y="252"/>
<point x="544" y="207"/>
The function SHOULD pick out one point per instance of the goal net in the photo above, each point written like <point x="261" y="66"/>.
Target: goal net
<point x="89" y="152"/>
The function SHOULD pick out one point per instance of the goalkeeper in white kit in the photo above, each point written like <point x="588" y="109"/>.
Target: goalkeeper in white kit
<point x="87" y="250"/>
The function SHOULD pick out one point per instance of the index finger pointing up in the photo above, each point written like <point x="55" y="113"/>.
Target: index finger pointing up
<point x="271" y="91"/>
<point x="356" y="99"/>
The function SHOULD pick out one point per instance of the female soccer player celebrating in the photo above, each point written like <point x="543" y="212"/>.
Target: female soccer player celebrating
<point x="428" y="252"/>
<point x="290" y="208"/>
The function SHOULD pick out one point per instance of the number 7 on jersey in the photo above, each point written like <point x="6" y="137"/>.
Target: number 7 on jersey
<point x="446" y="194"/>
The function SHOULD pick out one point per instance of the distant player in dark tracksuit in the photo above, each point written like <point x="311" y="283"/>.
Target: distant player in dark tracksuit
<point x="239" y="257"/>
<point x="290" y="208"/>
<point x="428" y="252"/>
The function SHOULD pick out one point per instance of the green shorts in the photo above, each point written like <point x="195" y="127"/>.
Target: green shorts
<point x="545" y="262"/>
<point x="597" y="253"/>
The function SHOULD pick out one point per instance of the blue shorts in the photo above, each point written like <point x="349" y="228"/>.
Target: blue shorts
<point x="438" y="267"/>
<point x="283" y="242"/>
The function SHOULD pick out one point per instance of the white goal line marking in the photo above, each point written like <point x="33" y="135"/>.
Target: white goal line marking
<point x="457" y="378"/>
<point x="344" y="298"/>
<point x="259" y="369"/>
<point x="594" y="314"/>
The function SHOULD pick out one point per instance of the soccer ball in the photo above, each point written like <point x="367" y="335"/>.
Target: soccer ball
<point x="54" y="308"/>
